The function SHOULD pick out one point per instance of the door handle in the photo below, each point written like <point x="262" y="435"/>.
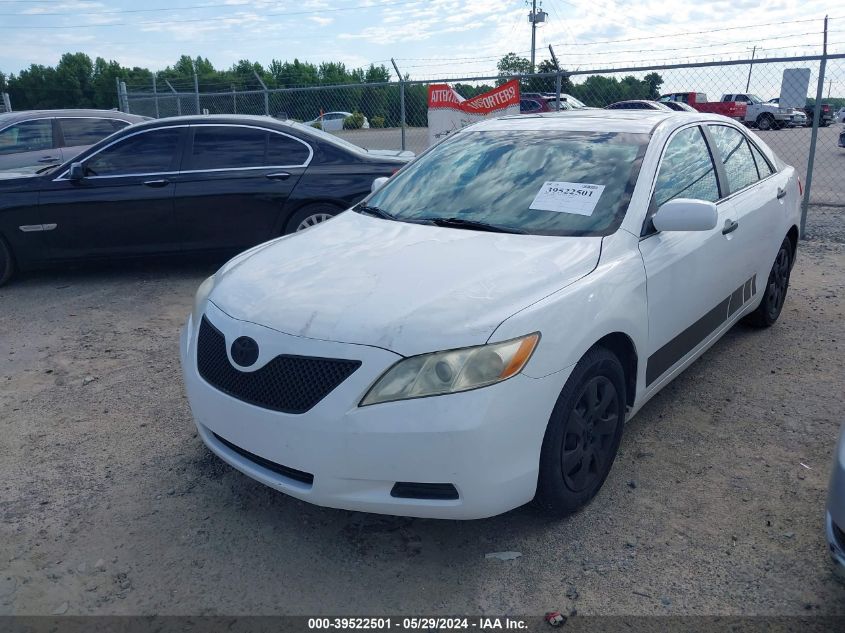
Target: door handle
<point x="730" y="226"/>
<point x="48" y="159"/>
<point x="163" y="182"/>
<point x="781" y="193"/>
<point x="281" y="175"/>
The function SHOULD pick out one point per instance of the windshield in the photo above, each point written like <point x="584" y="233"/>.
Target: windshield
<point x="538" y="182"/>
<point x="572" y="101"/>
<point x="755" y="99"/>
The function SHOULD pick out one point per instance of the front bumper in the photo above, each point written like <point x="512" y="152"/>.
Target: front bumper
<point x="836" y="507"/>
<point x="485" y="442"/>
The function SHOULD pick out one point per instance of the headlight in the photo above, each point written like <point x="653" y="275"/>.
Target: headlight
<point x="202" y="295"/>
<point x="452" y="371"/>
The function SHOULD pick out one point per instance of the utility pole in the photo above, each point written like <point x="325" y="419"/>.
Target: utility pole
<point x="534" y="17"/>
<point x="750" y="66"/>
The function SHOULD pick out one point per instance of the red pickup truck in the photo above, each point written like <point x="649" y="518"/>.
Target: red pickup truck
<point x="698" y="100"/>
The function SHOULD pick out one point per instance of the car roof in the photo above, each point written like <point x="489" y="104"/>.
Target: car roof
<point x="193" y="119"/>
<point x="22" y="115"/>
<point x="634" y="121"/>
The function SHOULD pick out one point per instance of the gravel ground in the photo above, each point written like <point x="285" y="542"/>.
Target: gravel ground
<point x="111" y="504"/>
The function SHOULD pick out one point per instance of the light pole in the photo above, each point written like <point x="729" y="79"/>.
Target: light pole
<point x="534" y="17"/>
<point x="750" y="66"/>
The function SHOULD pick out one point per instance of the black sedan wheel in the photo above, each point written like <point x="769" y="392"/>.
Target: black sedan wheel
<point x="7" y="264"/>
<point x="774" y="294"/>
<point x="311" y="215"/>
<point x="583" y="434"/>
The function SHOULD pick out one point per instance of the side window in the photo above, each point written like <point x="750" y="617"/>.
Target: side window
<point x="686" y="171"/>
<point x="763" y="165"/>
<point x="27" y="136"/>
<point x="224" y="147"/>
<point x="734" y="152"/>
<point x="85" y="131"/>
<point x="146" y="153"/>
<point x="117" y="124"/>
<point x="283" y="150"/>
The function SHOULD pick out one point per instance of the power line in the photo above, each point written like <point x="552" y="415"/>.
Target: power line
<point x="391" y="3"/>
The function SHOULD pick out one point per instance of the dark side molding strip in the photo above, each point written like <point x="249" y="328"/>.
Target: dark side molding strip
<point x="665" y="358"/>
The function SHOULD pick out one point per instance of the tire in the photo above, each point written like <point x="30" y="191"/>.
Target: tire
<point x="778" y="125"/>
<point x="569" y="476"/>
<point x="311" y="215"/>
<point x="774" y="295"/>
<point x="765" y="122"/>
<point x="7" y="262"/>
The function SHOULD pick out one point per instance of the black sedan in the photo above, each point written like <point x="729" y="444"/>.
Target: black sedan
<point x="198" y="183"/>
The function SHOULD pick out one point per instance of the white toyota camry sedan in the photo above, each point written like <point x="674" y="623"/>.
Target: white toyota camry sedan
<point x="476" y="332"/>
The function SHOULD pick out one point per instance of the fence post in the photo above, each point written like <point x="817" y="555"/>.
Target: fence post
<point x="817" y="108"/>
<point x="197" y="92"/>
<point x="7" y="104"/>
<point x="155" y="96"/>
<point x="401" y="101"/>
<point x="178" y="98"/>
<point x="124" y="96"/>
<point x="266" y="94"/>
<point x="234" y="100"/>
<point x="119" y="100"/>
<point x="557" y="90"/>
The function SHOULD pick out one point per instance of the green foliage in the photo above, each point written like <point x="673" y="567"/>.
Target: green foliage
<point x="354" y="121"/>
<point x="377" y="121"/>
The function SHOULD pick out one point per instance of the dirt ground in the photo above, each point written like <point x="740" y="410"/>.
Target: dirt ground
<point x="111" y="504"/>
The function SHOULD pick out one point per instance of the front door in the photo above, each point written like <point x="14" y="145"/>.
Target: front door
<point x="234" y="183"/>
<point x="123" y="205"/>
<point x="692" y="276"/>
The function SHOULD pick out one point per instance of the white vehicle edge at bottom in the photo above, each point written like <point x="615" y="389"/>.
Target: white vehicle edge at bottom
<point x="372" y="295"/>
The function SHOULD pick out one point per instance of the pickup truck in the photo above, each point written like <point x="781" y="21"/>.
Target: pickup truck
<point x="744" y="107"/>
<point x="698" y="100"/>
<point x="826" y="115"/>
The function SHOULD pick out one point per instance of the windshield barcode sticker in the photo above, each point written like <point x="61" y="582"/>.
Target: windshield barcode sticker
<point x="567" y="197"/>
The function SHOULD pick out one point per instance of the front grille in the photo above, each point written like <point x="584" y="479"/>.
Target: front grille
<point x="285" y="471"/>
<point x="290" y="384"/>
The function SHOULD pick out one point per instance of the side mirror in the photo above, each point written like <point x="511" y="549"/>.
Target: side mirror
<point x="685" y="214"/>
<point x="76" y="171"/>
<point x="378" y="183"/>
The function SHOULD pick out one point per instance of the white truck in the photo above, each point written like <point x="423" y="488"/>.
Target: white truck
<point x="764" y="116"/>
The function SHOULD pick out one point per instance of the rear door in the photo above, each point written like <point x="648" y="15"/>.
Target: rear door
<point x="29" y="143"/>
<point x="753" y="187"/>
<point x="124" y="205"/>
<point x="233" y="185"/>
<point x="692" y="276"/>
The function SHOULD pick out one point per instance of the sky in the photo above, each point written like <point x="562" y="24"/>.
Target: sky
<point x="428" y="38"/>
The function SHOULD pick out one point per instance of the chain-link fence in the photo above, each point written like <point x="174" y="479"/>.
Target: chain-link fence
<point x="394" y="115"/>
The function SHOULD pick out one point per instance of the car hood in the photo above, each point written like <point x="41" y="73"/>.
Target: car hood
<point x="408" y="288"/>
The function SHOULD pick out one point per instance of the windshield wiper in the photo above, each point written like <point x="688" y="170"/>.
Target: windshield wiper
<point x="374" y="211"/>
<point x="461" y="223"/>
<point x="44" y="170"/>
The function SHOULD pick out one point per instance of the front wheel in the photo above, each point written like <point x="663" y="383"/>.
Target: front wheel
<point x="774" y="295"/>
<point x="765" y="121"/>
<point x="583" y="434"/>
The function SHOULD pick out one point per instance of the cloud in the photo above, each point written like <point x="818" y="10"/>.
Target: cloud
<point x="322" y="21"/>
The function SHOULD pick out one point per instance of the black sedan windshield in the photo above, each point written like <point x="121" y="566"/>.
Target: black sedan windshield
<point x="544" y="183"/>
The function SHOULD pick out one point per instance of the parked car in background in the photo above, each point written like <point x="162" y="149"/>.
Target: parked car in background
<point x="549" y="102"/>
<point x="842" y="138"/>
<point x="839" y="117"/>
<point x="197" y="183"/>
<point x="475" y="334"/>
<point x="678" y="106"/>
<point x="638" y="104"/>
<point x="49" y="137"/>
<point x="804" y="116"/>
<point x="836" y="507"/>
<point x="333" y="121"/>
<point x="698" y="101"/>
<point x="531" y="105"/>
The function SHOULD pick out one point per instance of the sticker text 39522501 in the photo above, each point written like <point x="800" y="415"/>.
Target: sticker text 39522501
<point x="567" y="197"/>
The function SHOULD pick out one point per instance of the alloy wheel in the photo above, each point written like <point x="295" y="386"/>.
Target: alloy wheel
<point x="313" y="220"/>
<point x="587" y="446"/>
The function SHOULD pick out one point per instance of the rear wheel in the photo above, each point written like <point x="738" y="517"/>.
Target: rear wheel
<point x="583" y="434"/>
<point x="311" y="215"/>
<point x="774" y="294"/>
<point x="7" y="263"/>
